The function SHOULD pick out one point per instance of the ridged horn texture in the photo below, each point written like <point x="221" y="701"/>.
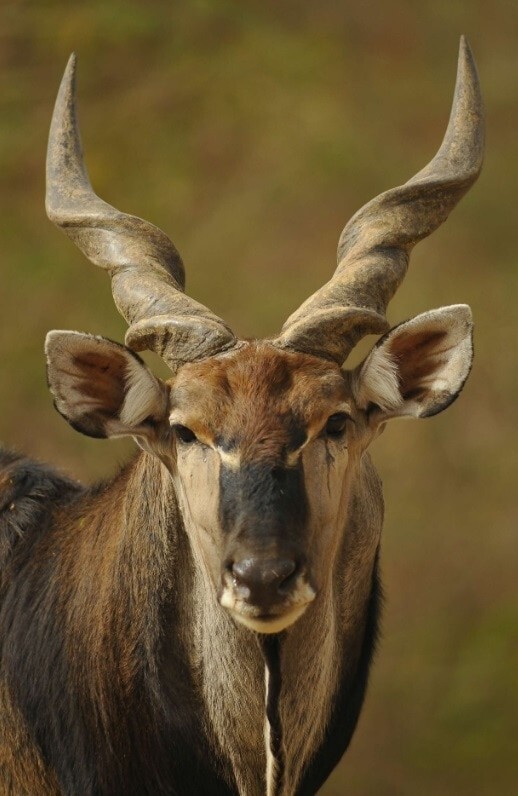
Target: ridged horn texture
<point x="374" y="247"/>
<point x="147" y="273"/>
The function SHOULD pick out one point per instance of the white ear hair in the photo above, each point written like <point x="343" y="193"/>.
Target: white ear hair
<point x="142" y="398"/>
<point x="378" y="377"/>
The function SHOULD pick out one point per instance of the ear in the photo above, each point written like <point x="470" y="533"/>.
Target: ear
<point x="102" y="388"/>
<point x="418" y="368"/>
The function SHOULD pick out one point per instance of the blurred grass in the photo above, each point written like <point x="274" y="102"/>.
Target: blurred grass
<point x="250" y="132"/>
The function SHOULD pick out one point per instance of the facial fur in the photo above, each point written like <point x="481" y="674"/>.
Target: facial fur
<point x="260" y="479"/>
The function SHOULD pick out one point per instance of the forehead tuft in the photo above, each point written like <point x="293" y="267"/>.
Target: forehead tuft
<point x="259" y="368"/>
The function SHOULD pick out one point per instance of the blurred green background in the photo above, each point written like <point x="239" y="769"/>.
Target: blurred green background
<point x="250" y="132"/>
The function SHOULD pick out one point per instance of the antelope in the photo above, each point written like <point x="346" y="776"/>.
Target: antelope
<point x="204" y="622"/>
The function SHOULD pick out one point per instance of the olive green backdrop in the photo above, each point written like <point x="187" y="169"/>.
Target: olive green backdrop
<point x="250" y="132"/>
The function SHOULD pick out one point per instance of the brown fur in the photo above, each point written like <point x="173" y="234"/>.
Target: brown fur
<point x="22" y="769"/>
<point x="257" y="398"/>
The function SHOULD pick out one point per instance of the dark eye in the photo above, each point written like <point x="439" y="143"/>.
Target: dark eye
<point x="335" y="425"/>
<point x="184" y="433"/>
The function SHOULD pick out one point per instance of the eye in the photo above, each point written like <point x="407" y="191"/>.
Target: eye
<point x="335" y="425"/>
<point x="185" y="434"/>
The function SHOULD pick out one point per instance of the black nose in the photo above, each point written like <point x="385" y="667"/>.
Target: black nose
<point x="264" y="583"/>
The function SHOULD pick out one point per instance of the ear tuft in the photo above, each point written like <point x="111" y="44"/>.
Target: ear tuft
<point x="140" y="400"/>
<point x="380" y="379"/>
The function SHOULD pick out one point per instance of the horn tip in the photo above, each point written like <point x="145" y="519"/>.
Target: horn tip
<point x="64" y="153"/>
<point x="66" y="93"/>
<point x="467" y="67"/>
<point x="69" y="75"/>
<point x="465" y="52"/>
<point x="468" y="103"/>
<point x="464" y="43"/>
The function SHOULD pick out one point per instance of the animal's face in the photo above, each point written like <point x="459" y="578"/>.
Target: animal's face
<point x="259" y="454"/>
<point x="262" y="444"/>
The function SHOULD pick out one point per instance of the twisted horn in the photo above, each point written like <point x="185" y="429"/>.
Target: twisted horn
<point x="374" y="247"/>
<point x="147" y="273"/>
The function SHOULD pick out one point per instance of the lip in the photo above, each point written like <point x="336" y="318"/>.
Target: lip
<point x="266" y="619"/>
<point x="265" y="622"/>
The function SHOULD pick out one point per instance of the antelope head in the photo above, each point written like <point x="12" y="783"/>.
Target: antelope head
<point x="265" y="440"/>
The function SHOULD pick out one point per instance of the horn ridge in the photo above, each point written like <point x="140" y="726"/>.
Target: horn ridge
<point x="375" y="245"/>
<point x="147" y="272"/>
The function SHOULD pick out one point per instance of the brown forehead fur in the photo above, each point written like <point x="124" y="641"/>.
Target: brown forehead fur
<point x="259" y="399"/>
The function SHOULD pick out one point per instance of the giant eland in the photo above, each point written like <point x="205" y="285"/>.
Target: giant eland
<point x="204" y="621"/>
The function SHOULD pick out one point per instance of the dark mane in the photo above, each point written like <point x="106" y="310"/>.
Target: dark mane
<point x="27" y="489"/>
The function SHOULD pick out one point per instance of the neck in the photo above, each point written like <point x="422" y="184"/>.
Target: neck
<point x="271" y="705"/>
<point x="187" y="651"/>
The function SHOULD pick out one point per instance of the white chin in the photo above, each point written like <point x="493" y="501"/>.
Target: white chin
<point x="274" y="624"/>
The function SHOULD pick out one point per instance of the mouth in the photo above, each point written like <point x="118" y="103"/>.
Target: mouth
<point x="279" y="618"/>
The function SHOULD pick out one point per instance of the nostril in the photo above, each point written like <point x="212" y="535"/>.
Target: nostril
<point x="280" y="571"/>
<point x="265" y="579"/>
